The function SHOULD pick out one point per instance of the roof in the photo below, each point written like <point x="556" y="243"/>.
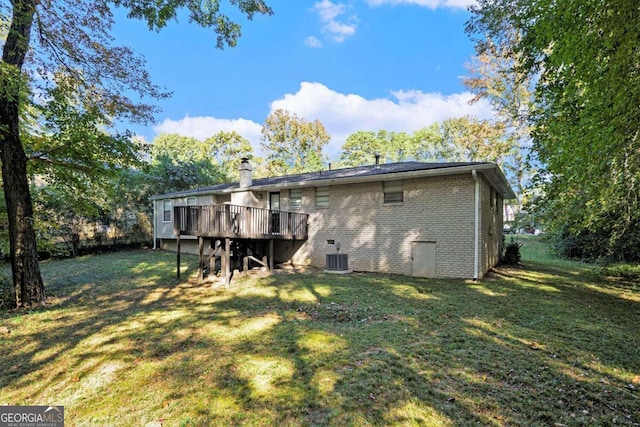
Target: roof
<point x="382" y="172"/>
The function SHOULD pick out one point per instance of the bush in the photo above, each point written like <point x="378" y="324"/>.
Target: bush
<point x="512" y="253"/>
<point x="7" y="293"/>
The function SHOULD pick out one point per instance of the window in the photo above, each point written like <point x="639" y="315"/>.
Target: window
<point x="393" y="192"/>
<point x="322" y="197"/>
<point x="166" y="210"/>
<point x="295" y="198"/>
<point x="191" y="201"/>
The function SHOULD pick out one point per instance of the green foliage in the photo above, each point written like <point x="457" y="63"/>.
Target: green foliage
<point x="7" y="293"/>
<point x="463" y="139"/>
<point x="361" y="147"/>
<point x="292" y="144"/>
<point x="512" y="253"/>
<point x="470" y="139"/>
<point x="181" y="163"/>
<point x="205" y="13"/>
<point x="70" y="145"/>
<point x="626" y="271"/>
<point x="59" y="61"/>
<point x="495" y="75"/>
<point x="584" y="56"/>
<point x="228" y="148"/>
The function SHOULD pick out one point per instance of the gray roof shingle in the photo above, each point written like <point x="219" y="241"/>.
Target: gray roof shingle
<point x="334" y="174"/>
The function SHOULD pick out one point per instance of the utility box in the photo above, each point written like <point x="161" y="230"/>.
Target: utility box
<point x="337" y="262"/>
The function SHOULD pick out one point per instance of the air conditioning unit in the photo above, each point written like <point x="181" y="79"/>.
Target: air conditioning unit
<point x="337" y="262"/>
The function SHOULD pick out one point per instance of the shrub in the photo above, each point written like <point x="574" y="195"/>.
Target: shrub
<point x="512" y="252"/>
<point x="7" y="293"/>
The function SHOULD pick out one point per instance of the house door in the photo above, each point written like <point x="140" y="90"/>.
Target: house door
<point x="274" y="205"/>
<point x="424" y="259"/>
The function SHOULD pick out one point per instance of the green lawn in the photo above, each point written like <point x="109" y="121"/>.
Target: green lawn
<point x="122" y="343"/>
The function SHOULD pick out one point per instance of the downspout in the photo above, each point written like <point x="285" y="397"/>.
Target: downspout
<point x="476" y="239"/>
<point x="154" y="225"/>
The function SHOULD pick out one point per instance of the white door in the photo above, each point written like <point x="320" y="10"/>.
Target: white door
<point x="424" y="259"/>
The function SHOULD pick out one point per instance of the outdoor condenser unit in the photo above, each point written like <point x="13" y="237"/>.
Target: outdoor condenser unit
<point x="337" y="262"/>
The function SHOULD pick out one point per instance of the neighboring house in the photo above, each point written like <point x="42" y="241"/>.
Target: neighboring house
<point x="411" y="218"/>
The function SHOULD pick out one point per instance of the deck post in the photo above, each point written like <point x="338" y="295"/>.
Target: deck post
<point x="212" y="259"/>
<point x="201" y="258"/>
<point x="245" y="264"/>
<point x="271" y="255"/>
<point x="178" y="256"/>
<point x="223" y="258"/>
<point x="227" y="260"/>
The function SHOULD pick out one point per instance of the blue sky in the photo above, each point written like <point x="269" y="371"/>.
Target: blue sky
<point x="352" y="64"/>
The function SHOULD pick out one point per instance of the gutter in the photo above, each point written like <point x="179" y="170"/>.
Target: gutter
<point x="476" y="238"/>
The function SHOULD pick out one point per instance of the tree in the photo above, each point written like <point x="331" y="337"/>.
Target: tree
<point x="361" y="147"/>
<point x="496" y="75"/>
<point x="584" y="58"/>
<point x="181" y="163"/>
<point x="429" y="144"/>
<point x="228" y="148"/>
<point x="458" y="139"/>
<point x="292" y="144"/>
<point x="73" y="53"/>
<point x="468" y="139"/>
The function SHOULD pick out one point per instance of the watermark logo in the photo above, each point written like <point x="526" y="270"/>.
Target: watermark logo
<point x="31" y="416"/>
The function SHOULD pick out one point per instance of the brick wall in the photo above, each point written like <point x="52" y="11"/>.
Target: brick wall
<point x="379" y="237"/>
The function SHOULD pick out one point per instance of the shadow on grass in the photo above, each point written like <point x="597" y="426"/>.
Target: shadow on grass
<point x="531" y="346"/>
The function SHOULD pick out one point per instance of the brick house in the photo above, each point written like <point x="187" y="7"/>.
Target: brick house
<point x="411" y="218"/>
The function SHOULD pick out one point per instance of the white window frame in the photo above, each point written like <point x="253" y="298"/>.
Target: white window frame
<point x="165" y="211"/>
<point x="295" y="198"/>
<point x="322" y="197"/>
<point x="393" y="192"/>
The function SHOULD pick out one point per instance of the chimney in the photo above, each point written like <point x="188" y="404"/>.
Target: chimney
<point x="244" y="168"/>
<point x="377" y="160"/>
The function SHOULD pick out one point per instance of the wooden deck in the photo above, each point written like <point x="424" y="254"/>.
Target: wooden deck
<point x="233" y="223"/>
<point x="239" y="222"/>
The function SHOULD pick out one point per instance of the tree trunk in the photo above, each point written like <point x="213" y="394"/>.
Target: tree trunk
<point x="27" y="280"/>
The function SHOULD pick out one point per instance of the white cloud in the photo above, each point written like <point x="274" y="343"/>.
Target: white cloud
<point x="344" y="114"/>
<point x="312" y="41"/>
<point x="203" y="127"/>
<point x="328" y="13"/>
<point x="433" y="4"/>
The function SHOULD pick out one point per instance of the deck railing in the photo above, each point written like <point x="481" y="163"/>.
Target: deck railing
<point x="242" y="222"/>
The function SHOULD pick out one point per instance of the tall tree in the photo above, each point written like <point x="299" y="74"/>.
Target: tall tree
<point x="495" y="75"/>
<point x="181" y="163"/>
<point x="429" y="144"/>
<point x="228" y="148"/>
<point x="73" y="44"/>
<point x="292" y="144"/>
<point x="456" y="139"/>
<point x="584" y="56"/>
<point x="361" y="147"/>
<point x="468" y="139"/>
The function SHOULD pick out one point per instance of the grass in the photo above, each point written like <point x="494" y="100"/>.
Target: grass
<point x="121" y="342"/>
